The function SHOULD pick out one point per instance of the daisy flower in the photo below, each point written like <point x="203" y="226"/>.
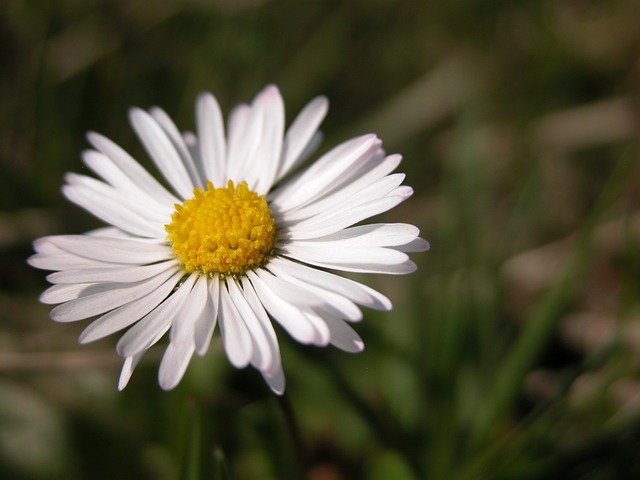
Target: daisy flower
<point x="235" y="241"/>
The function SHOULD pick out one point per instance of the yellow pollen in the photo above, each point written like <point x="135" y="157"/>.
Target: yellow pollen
<point x="222" y="230"/>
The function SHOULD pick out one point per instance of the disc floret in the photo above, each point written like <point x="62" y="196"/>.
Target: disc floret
<point x="226" y="230"/>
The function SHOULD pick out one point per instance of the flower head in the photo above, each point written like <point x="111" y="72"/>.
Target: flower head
<point x="232" y="242"/>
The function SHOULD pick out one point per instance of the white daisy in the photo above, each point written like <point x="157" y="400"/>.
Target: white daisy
<point x="229" y="243"/>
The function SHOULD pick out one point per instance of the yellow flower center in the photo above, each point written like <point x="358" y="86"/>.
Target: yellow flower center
<point x="222" y="230"/>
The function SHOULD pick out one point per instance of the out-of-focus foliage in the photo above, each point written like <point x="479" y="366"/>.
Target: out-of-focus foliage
<point x="514" y="351"/>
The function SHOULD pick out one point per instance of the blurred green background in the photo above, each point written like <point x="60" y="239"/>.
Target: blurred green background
<point x="514" y="351"/>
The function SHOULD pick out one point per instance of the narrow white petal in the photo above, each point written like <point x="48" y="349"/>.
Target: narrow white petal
<point x="334" y="303"/>
<point x="262" y="316"/>
<point x="116" y="250"/>
<point x="400" y="269"/>
<point x="301" y="132"/>
<point x="290" y="317"/>
<point x="174" y="363"/>
<point x="113" y="232"/>
<point x="130" y="364"/>
<point x="179" y="144"/>
<point x="211" y="138"/>
<point x="257" y="156"/>
<point x="132" y="168"/>
<point x="235" y="336"/>
<point x="101" y="298"/>
<point x="325" y="173"/>
<point x="103" y="166"/>
<point x="306" y="216"/>
<point x="206" y="324"/>
<point x="64" y="293"/>
<point x="290" y="292"/>
<point x="351" y="289"/>
<point x="162" y="152"/>
<point x="62" y="261"/>
<point x="183" y="326"/>
<point x="324" y="253"/>
<point x="276" y="381"/>
<point x="109" y="207"/>
<point x="353" y="189"/>
<point x="332" y="222"/>
<point x="403" y="191"/>
<point x="343" y="336"/>
<point x="116" y="273"/>
<point x="154" y="325"/>
<point x="262" y="352"/>
<point x="416" y="245"/>
<point x="45" y="246"/>
<point x="269" y="104"/>
<point x="309" y="150"/>
<point x="322" y="334"/>
<point x="372" y="235"/>
<point x="128" y="314"/>
<point x="134" y="200"/>
<point x="191" y="141"/>
<point x="239" y="139"/>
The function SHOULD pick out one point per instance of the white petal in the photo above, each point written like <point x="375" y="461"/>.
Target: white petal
<point x="133" y="169"/>
<point x="262" y="352"/>
<point x="154" y="325"/>
<point x="113" y="232"/>
<point x="128" y="314"/>
<point x="309" y="150"/>
<point x="235" y="336"/>
<point x="207" y="322"/>
<point x="372" y="235"/>
<point x="263" y="168"/>
<point x="130" y="364"/>
<point x="322" y="334"/>
<point x="191" y="141"/>
<point x="355" y="291"/>
<point x="331" y="222"/>
<point x="242" y="133"/>
<point x="174" y="363"/>
<point x="276" y="381"/>
<point x="52" y="257"/>
<point x="134" y="201"/>
<point x="262" y="316"/>
<point x="101" y="298"/>
<point x="333" y="303"/>
<point x="183" y="326"/>
<point x="63" y="293"/>
<point x="62" y="261"/>
<point x="416" y="245"/>
<point x="211" y="138"/>
<point x="343" y="336"/>
<point x="45" y="246"/>
<point x="353" y="189"/>
<point x="403" y="190"/>
<point x="301" y="132"/>
<point x="116" y="273"/>
<point x="290" y="292"/>
<point x="178" y="143"/>
<point x="286" y="314"/>
<point x="381" y="188"/>
<point x="400" y="269"/>
<point x="116" y="250"/>
<point x="162" y="152"/>
<point x="103" y="166"/>
<point x="110" y="206"/>
<point x="324" y="174"/>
